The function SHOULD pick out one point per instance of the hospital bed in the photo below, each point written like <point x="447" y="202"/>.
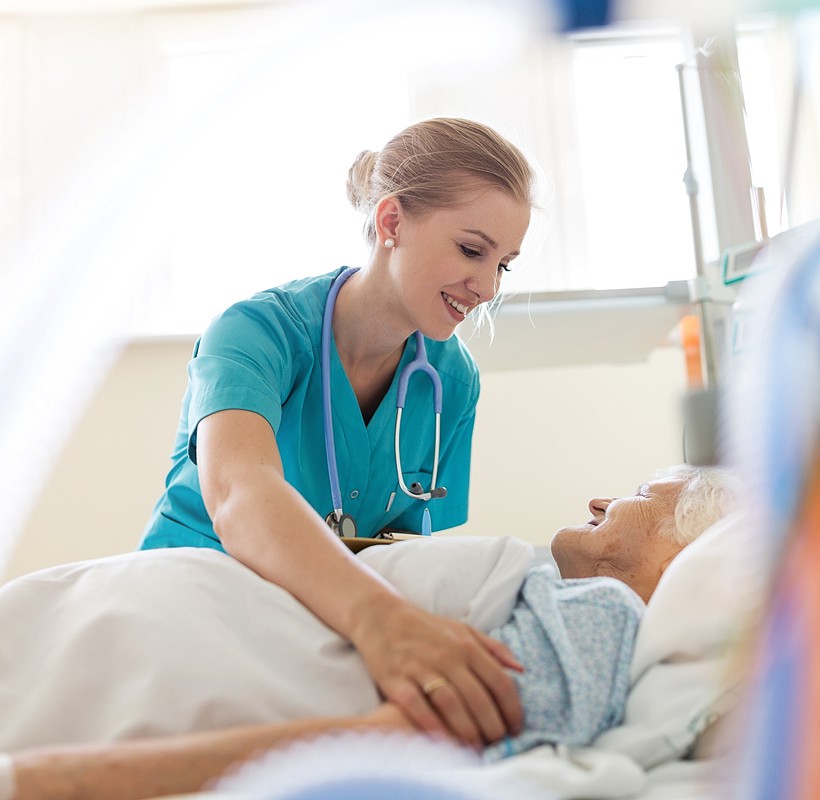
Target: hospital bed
<point x="189" y="639"/>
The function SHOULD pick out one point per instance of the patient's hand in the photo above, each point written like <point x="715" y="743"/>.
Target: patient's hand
<point x="445" y="676"/>
<point x="389" y="716"/>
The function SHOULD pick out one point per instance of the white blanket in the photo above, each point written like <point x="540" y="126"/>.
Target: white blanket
<point x="163" y="641"/>
<point x="159" y="642"/>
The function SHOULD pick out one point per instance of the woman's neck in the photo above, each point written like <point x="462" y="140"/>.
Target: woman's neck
<point x="365" y="327"/>
<point x="369" y="344"/>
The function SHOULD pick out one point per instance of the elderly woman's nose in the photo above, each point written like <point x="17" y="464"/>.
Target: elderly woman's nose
<point x="599" y="505"/>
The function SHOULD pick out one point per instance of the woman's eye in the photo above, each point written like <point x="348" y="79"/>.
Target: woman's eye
<point x="469" y="251"/>
<point x="505" y="267"/>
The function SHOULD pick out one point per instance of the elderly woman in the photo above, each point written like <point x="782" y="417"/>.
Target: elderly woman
<point x="634" y="539"/>
<point x="574" y="634"/>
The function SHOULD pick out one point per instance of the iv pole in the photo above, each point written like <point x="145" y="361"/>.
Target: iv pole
<point x="691" y="184"/>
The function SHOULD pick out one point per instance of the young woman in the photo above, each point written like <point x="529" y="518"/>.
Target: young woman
<point x="288" y="423"/>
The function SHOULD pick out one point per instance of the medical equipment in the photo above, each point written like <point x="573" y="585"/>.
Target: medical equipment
<point x="340" y="523"/>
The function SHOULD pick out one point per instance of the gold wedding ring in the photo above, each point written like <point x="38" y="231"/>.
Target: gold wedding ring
<point x="434" y="684"/>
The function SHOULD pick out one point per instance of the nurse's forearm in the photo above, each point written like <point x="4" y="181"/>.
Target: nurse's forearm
<point x="266" y="524"/>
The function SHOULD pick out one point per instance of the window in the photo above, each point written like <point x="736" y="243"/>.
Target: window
<point x="268" y="117"/>
<point x="755" y="43"/>
<point x="256" y="194"/>
<point x="632" y="161"/>
<point x="266" y="132"/>
<point x="780" y="71"/>
<point x="261" y="111"/>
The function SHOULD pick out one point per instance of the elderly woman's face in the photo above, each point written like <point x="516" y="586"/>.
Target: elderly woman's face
<point x="622" y="539"/>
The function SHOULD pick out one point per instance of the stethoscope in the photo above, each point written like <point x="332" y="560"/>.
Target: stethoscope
<point x="339" y="522"/>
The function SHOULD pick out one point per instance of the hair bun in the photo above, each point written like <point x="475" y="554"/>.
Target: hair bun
<point x="359" y="180"/>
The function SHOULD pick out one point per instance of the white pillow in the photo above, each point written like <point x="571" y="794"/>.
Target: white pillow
<point x="680" y="664"/>
<point x="695" y="608"/>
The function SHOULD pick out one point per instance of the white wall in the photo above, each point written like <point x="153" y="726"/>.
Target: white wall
<point x="546" y="440"/>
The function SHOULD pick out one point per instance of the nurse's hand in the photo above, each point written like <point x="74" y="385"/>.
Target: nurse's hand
<point x="446" y="677"/>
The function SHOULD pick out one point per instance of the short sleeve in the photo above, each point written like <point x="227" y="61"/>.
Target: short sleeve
<point x="243" y="361"/>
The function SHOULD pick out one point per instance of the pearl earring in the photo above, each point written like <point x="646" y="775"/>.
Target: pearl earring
<point x="388" y="243"/>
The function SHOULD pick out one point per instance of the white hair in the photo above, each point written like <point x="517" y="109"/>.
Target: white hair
<point x="707" y="495"/>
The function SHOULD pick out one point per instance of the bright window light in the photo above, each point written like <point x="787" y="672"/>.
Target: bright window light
<point x="256" y="196"/>
<point x="258" y="192"/>
<point x="762" y="116"/>
<point x="632" y="159"/>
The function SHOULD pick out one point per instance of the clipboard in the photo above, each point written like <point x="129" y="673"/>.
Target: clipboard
<point x="357" y="543"/>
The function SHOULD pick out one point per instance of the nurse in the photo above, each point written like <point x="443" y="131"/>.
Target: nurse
<point x="447" y="205"/>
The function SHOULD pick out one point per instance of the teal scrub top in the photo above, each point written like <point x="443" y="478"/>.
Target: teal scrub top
<point x="264" y="355"/>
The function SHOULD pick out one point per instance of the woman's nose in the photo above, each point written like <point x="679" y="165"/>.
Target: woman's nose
<point x="599" y="505"/>
<point x="484" y="284"/>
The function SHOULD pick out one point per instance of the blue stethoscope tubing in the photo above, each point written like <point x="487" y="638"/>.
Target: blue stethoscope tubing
<point x="343" y="523"/>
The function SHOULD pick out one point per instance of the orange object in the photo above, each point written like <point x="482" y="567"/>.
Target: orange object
<point x="807" y="529"/>
<point x="690" y="338"/>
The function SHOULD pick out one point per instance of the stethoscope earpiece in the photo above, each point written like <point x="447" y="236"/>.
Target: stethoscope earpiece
<point x="417" y="490"/>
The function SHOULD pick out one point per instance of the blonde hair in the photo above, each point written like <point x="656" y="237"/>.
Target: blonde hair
<point x="432" y="163"/>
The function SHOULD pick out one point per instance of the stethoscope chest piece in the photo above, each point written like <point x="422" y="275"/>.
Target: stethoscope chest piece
<point x="344" y="525"/>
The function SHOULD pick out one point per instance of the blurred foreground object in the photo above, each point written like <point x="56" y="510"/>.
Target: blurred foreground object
<point x="772" y="416"/>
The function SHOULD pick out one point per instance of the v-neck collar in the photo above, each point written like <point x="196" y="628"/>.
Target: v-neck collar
<point x="346" y="406"/>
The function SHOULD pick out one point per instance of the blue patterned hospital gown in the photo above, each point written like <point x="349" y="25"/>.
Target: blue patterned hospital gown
<point x="575" y="639"/>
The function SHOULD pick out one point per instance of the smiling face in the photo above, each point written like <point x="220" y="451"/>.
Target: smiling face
<point x="449" y="261"/>
<point x="624" y="539"/>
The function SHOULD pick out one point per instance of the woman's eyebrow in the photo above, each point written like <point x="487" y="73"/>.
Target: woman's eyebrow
<point x="490" y="241"/>
<point x="483" y="235"/>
